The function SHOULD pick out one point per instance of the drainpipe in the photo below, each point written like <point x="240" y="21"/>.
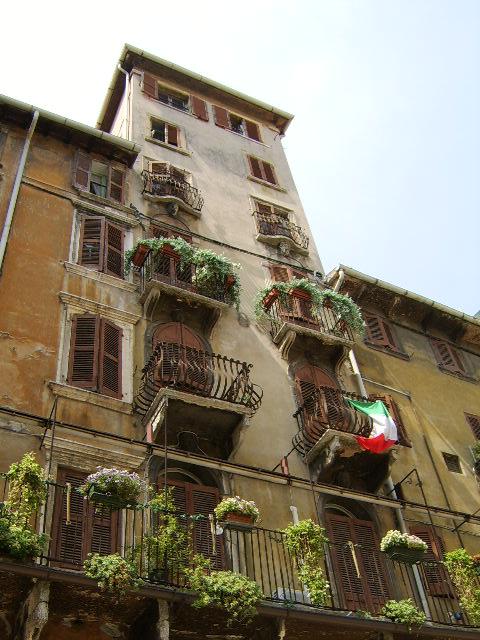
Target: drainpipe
<point x="389" y="481"/>
<point x="127" y="94"/>
<point x="16" y="188"/>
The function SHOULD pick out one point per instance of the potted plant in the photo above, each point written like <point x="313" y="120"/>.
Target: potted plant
<point x="403" y="612"/>
<point x="116" y="488"/>
<point x="463" y="569"/>
<point x="237" y="510"/>
<point x="403" y="547"/>
<point x="140" y="253"/>
<point x="298" y="287"/>
<point x="112" y="573"/>
<point x="344" y="307"/>
<point x="19" y="541"/>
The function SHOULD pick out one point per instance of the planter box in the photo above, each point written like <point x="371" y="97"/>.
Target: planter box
<point x="404" y="554"/>
<point x="270" y="299"/>
<point x="114" y="502"/>
<point x="239" y="518"/>
<point x="169" y="251"/>
<point x="140" y="255"/>
<point x="300" y="293"/>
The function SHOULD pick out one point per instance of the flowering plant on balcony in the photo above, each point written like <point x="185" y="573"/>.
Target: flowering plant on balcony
<point x="238" y="506"/>
<point x="118" y="488"/>
<point x="403" y="612"/>
<point x="112" y="573"/>
<point x="19" y="540"/>
<point x="403" y="547"/>
<point x="284" y="290"/>
<point x="463" y="569"/>
<point x="345" y="308"/>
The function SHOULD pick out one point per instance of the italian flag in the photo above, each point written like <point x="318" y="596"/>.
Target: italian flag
<point x="384" y="432"/>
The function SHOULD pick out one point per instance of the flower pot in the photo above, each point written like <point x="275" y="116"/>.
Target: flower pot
<point x="114" y="502"/>
<point x="239" y="518"/>
<point x="140" y="255"/>
<point x="300" y="293"/>
<point x="169" y="251"/>
<point x="270" y="299"/>
<point x="404" y="554"/>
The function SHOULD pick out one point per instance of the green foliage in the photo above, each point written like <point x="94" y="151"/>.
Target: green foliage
<point x="27" y="488"/>
<point x="236" y="594"/>
<point x="163" y="501"/>
<point x="403" y="612"/>
<point x="463" y="571"/>
<point x="20" y="541"/>
<point x="346" y="309"/>
<point x="112" y="573"/>
<point x="119" y="483"/>
<point x="476" y="451"/>
<point x="306" y="540"/>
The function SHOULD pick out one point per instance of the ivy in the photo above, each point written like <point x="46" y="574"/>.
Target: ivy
<point x="463" y="570"/>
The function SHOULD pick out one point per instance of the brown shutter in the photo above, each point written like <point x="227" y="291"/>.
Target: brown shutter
<point x="114" y="250"/>
<point x="379" y="332"/>
<point x="252" y="130"/>
<point x="172" y="135"/>
<point x="116" y="184"/>
<point x="102" y="527"/>
<point x="221" y="117"/>
<point x="279" y="274"/>
<point x="447" y="356"/>
<point x="474" y="422"/>
<point x="149" y="85"/>
<point x="268" y="172"/>
<point x="110" y="360"/>
<point x="199" y="108"/>
<point x="393" y="410"/>
<point x="82" y="171"/>
<point x="82" y="370"/>
<point x="92" y="242"/>
<point x="434" y="575"/>
<point x="255" y="168"/>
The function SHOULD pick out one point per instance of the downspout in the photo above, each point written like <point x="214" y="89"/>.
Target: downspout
<point x="389" y="481"/>
<point x="16" y="188"/>
<point x="127" y="94"/>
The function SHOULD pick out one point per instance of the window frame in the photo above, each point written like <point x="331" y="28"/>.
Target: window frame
<point x="459" y="369"/>
<point x="263" y="179"/>
<point x="82" y="173"/>
<point x="224" y="118"/>
<point x="104" y="245"/>
<point x="390" y="343"/>
<point x="167" y="127"/>
<point x="188" y="177"/>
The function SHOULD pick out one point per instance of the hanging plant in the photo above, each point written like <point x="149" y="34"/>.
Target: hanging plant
<point x="345" y="308"/>
<point x="117" y="488"/>
<point x="305" y="540"/>
<point x="27" y="487"/>
<point x="403" y="547"/>
<point x="236" y="509"/>
<point x="403" y="612"/>
<point x="463" y="571"/>
<point x="236" y="594"/>
<point x="284" y="290"/>
<point x="112" y="573"/>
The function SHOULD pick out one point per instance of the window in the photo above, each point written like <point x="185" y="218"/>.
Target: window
<point x="237" y="124"/>
<point x="100" y="178"/>
<point x="173" y="98"/>
<point x="474" y="422"/>
<point x="164" y="132"/>
<point x="272" y="221"/>
<point x="95" y="360"/>
<point x="380" y="334"/>
<point x="101" y="245"/>
<point x="262" y="170"/>
<point x="452" y="462"/>
<point x="448" y="358"/>
<point x="166" y="168"/>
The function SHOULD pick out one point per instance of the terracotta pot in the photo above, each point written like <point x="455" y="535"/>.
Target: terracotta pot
<point x="270" y="299"/>
<point x="229" y="281"/>
<point x="239" y="518"/>
<point x="140" y="255"/>
<point x="170" y="251"/>
<point x="300" y="293"/>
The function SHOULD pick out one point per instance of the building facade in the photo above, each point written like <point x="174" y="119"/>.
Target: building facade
<point x="190" y="370"/>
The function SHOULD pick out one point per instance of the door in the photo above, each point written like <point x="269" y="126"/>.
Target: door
<point x="183" y="361"/>
<point x="83" y="528"/>
<point x="358" y="566"/>
<point x="317" y="391"/>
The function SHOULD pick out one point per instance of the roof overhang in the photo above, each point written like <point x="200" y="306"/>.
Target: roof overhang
<point x="132" y="57"/>
<point x="69" y="131"/>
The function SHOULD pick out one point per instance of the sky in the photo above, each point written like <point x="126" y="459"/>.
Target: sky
<point x="385" y="144"/>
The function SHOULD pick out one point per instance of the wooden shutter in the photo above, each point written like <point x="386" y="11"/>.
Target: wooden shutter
<point x="268" y="173"/>
<point x="149" y="85"/>
<point x="199" y="108"/>
<point x="110" y="360"/>
<point x="159" y="167"/>
<point x="379" y="333"/>
<point x="474" y="422"/>
<point x="435" y="577"/>
<point x="221" y="117"/>
<point x="68" y="540"/>
<point x="447" y="356"/>
<point x="172" y="135"/>
<point x="92" y="235"/>
<point x="114" y="250"/>
<point x="252" y="130"/>
<point x="393" y="410"/>
<point x="116" y="184"/>
<point x="82" y="171"/>
<point x="255" y="168"/>
<point x="82" y="369"/>
<point x="279" y="274"/>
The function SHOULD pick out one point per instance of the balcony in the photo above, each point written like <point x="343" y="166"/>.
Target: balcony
<point x="169" y="187"/>
<point x="275" y="229"/>
<point x="186" y="386"/>
<point x="327" y="427"/>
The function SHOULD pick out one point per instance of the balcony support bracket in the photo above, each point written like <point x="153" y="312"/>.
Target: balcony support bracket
<point x="284" y="340"/>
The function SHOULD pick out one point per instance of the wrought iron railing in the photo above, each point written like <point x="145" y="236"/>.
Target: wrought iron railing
<point x="326" y="408"/>
<point x="297" y="309"/>
<point x="167" y="267"/>
<point x="197" y="372"/>
<point x="168" y="183"/>
<point x="275" y="225"/>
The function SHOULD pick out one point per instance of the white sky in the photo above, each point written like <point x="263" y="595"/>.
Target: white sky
<point x="385" y="145"/>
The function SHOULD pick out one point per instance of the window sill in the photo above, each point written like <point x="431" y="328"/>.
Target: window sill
<point x="99" y="200"/>
<point x="390" y="352"/>
<point x="460" y="376"/>
<point x="241" y="135"/>
<point x="266" y="184"/>
<point x="105" y="278"/>
<point x="165" y="145"/>
<point x="187" y="112"/>
<point x="84" y="395"/>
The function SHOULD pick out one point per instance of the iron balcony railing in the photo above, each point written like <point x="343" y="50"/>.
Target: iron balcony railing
<point x="168" y="183"/>
<point x="326" y="408"/>
<point x="275" y="225"/>
<point x="297" y="309"/>
<point x="166" y="266"/>
<point x="360" y="577"/>
<point x="197" y="372"/>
